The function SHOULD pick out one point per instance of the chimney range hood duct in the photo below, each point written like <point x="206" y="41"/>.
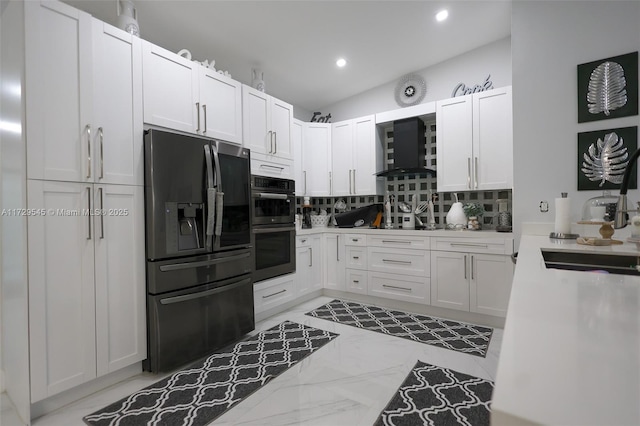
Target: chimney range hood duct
<point x="408" y="149"/>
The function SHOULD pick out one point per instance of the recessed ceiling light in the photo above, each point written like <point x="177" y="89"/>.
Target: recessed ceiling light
<point x="442" y="15"/>
<point x="341" y="62"/>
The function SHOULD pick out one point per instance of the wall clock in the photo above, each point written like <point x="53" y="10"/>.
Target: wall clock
<point x="410" y="90"/>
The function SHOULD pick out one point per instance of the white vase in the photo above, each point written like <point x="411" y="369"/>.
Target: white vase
<point x="456" y="215"/>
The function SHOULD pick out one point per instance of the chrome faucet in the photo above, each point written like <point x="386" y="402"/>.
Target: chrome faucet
<point x="622" y="217"/>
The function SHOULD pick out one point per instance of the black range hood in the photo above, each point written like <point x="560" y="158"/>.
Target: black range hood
<point x="408" y="149"/>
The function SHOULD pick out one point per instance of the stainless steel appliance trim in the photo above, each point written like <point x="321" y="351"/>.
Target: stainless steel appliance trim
<point x="101" y="133"/>
<point x="178" y="299"/>
<point x="395" y="287"/>
<point x="189" y="265"/>
<point x="211" y="199"/>
<point x="88" y="131"/>
<point x="272" y="196"/>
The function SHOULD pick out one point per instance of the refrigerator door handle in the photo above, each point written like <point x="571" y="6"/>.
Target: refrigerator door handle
<point x="192" y="265"/>
<point x="211" y="198"/>
<point x="219" y="194"/>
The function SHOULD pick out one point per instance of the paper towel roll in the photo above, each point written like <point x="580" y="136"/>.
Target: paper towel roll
<point x="563" y="216"/>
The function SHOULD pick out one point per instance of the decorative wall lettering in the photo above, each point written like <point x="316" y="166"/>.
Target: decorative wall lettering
<point x="461" y="89"/>
<point x="320" y="119"/>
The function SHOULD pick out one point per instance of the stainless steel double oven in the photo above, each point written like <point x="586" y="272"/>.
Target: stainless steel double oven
<point x="274" y="235"/>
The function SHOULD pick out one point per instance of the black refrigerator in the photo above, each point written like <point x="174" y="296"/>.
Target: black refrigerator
<point x="198" y="247"/>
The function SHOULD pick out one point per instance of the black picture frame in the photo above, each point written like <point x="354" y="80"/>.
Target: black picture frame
<point x="629" y="63"/>
<point x="585" y="139"/>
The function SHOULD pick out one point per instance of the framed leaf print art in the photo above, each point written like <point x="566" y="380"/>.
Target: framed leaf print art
<point x="603" y="157"/>
<point x="608" y="88"/>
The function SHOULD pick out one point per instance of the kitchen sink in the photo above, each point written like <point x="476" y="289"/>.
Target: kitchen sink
<point x="622" y="264"/>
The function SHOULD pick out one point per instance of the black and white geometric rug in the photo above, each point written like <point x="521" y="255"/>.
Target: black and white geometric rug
<point x="457" y="336"/>
<point x="438" y="396"/>
<point x="200" y="393"/>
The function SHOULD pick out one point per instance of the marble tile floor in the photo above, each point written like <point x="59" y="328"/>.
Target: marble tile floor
<point x="346" y="382"/>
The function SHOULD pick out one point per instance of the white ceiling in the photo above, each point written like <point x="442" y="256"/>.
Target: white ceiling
<point x="296" y="43"/>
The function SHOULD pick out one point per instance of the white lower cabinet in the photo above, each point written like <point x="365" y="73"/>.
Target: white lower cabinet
<point x="86" y="282"/>
<point x="272" y="293"/>
<point x="356" y="281"/>
<point x="308" y="263"/>
<point x="400" y="287"/>
<point x="334" y="258"/>
<point x="474" y="282"/>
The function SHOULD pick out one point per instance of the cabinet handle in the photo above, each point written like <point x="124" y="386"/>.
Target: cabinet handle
<point x="350" y="191"/>
<point x="338" y="248"/>
<point x="355" y="240"/>
<point x="468" y="245"/>
<point x="356" y="257"/>
<point x="469" y="172"/>
<point x="271" y="167"/>
<point x="305" y="182"/>
<point x="399" y="262"/>
<point x="465" y="266"/>
<point x="310" y="257"/>
<point x="354" y="181"/>
<point x="198" y="109"/>
<point x="330" y="183"/>
<point x="397" y="241"/>
<point x="204" y="112"/>
<point x="472" y="267"/>
<point x="475" y="170"/>
<point x="303" y="240"/>
<point x="88" y="131"/>
<point x="275" y="142"/>
<point x="101" y="214"/>
<point x="396" y="287"/>
<point x="356" y="281"/>
<point x="270" y="133"/>
<point x="89" y="216"/>
<point x="274" y="294"/>
<point x="101" y="133"/>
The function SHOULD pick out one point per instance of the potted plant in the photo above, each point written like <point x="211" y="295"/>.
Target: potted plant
<point x="473" y="211"/>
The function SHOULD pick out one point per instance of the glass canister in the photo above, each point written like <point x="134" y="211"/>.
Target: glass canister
<point x="601" y="208"/>
<point x="504" y="216"/>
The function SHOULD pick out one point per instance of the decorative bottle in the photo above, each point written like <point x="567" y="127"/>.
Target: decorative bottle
<point x="306" y="213"/>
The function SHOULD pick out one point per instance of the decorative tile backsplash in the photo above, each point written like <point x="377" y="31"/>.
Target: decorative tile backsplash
<point x="404" y="187"/>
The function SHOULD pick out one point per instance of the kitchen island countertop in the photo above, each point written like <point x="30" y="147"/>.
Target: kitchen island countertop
<point x="571" y="347"/>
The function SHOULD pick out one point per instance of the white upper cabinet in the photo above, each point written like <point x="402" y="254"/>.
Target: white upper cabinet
<point x="58" y="98"/>
<point x="316" y="159"/>
<point x="475" y="141"/>
<point x="84" y="109"/>
<point x="266" y="124"/>
<point x="184" y="95"/>
<point x="355" y="157"/>
<point x="117" y="98"/>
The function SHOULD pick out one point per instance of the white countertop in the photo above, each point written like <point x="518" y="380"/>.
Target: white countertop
<point x="571" y="347"/>
<point x="412" y="232"/>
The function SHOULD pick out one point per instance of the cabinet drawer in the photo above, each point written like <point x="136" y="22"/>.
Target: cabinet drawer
<point x="356" y="257"/>
<point x="271" y="293"/>
<point x="399" y="261"/>
<point x="355" y="240"/>
<point x="399" y="287"/>
<point x="473" y="245"/>
<point x="356" y="281"/>
<point x="271" y="167"/>
<point x="399" y="241"/>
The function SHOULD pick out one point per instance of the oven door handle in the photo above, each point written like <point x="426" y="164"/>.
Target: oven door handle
<point x="186" y="297"/>
<point x="273" y="229"/>
<point x="272" y="196"/>
<point x="191" y="265"/>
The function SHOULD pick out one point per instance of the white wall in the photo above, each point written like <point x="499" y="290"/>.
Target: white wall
<point x="15" y="333"/>
<point x="469" y="68"/>
<point x="549" y="39"/>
